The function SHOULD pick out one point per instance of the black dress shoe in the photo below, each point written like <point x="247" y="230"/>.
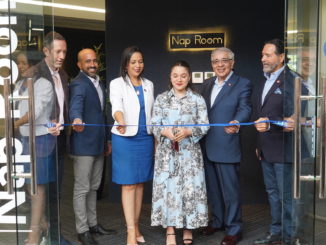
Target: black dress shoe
<point x="269" y="239"/>
<point x="209" y="230"/>
<point x="100" y="230"/>
<point x="86" y="238"/>
<point x="231" y="240"/>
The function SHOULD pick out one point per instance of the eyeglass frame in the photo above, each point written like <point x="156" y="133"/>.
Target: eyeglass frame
<point x="222" y="61"/>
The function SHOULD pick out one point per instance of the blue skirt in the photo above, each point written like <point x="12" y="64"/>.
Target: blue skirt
<point x="132" y="159"/>
<point x="45" y="158"/>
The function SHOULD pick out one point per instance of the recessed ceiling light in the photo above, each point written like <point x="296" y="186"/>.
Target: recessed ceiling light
<point x="63" y="6"/>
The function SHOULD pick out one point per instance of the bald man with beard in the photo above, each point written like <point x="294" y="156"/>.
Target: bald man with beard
<point x="87" y="106"/>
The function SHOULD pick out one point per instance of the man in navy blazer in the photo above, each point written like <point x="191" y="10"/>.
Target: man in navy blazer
<point x="87" y="146"/>
<point x="274" y="143"/>
<point x="227" y="97"/>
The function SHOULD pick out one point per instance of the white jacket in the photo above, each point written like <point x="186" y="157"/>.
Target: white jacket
<point x="123" y="98"/>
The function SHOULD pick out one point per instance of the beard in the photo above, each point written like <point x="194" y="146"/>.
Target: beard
<point x="270" y="68"/>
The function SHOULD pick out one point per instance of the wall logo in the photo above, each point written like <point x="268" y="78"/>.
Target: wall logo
<point x="195" y="41"/>
<point x="9" y="44"/>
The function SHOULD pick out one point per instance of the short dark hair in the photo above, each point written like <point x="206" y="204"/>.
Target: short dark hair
<point x="279" y="48"/>
<point x="125" y="59"/>
<point x="279" y="45"/>
<point x="50" y="37"/>
<point x="184" y="64"/>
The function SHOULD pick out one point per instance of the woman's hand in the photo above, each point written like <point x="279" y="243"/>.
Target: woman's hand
<point x="119" y="118"/>
<point x="182" y="133"/>
<point x="167" y="132"/>
<point x="121" y="128"/>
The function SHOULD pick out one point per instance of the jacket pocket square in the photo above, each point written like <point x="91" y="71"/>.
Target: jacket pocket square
<point x="278" y="91"/>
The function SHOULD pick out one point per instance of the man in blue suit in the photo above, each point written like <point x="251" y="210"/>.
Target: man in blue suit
<point x="87" y="102"/>
<point x="227" y="97"/>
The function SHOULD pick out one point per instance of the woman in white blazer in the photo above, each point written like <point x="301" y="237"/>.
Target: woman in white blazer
<point x="132" y="99"/>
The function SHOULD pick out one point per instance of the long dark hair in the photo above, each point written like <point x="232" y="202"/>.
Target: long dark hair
<point x="185" y="65"/>
<point x="125" y="59"/>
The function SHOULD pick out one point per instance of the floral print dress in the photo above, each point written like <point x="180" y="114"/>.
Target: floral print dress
<point x="179" y="189"/>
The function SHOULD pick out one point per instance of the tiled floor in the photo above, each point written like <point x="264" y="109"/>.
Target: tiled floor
<point x="255" y="217"/>
<point x="111" y="215"/>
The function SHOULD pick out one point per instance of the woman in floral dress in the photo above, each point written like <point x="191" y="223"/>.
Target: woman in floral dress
<point x="179" y="190"/>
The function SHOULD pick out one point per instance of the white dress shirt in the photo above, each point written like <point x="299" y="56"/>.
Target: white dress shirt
<point x="96" y="82"/>
<point x="270" y="79"/>
<point x="218" y="87"/>
<point x="59" y="93"/>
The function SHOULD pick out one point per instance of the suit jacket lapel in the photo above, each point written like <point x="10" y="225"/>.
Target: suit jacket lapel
<point x="260" y="92"/>
<point x="209" y="92"/>
<point x="87" y="80"/>
<point x="45" y="71"/>
<point x="145" y="89"/>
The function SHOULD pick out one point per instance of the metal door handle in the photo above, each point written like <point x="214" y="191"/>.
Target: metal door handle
<point x="31" y="122"/>
<point x="9" y="136"/>
<point x="8" y="133"/>
<point x="297" y="138"/>
<point x="322" y="160"/>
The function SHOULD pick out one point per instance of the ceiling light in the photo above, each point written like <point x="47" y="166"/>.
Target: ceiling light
<point x="63" y="6"/>
<point x="292" y="31"/>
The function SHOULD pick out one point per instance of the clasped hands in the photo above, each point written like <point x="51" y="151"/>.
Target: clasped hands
<point x="176" y="134"/>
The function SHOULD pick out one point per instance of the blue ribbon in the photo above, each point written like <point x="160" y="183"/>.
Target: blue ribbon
<point x="278" y="123"/>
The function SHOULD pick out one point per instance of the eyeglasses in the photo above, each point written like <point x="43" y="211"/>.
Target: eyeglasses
<point x="222" y="61"/>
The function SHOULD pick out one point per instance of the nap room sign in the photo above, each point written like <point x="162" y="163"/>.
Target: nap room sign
<point x="195" y="41"/>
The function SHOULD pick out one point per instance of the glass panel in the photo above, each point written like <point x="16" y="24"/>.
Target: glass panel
<point x="301" y="42"/>
<point x="320" y="209"/>
<point x="26" y="215"/>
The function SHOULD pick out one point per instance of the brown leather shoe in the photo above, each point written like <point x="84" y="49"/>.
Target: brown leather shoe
<point x="209" y="230"/>
<point x="231" y="240"/>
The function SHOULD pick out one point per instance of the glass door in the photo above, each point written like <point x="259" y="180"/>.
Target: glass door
<point x="320" y="209"/>
<point x="28" y="175"/>
<point x="305" y="44"/>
